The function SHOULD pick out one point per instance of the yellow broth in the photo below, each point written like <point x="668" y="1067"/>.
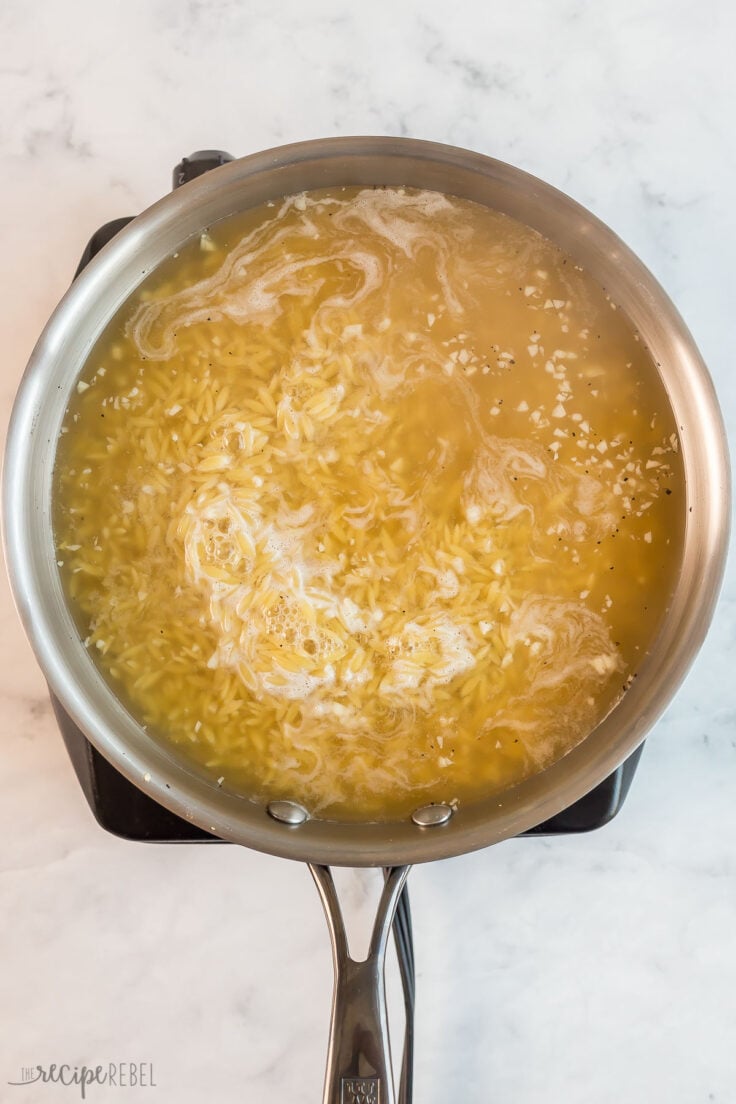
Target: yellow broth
<point x="369" y="498"/>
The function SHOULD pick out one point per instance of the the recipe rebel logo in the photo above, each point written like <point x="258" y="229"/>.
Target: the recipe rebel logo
<point x="119" y="1075"/>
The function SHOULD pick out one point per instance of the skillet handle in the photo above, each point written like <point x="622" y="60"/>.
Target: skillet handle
<point x="359" y="1054"/>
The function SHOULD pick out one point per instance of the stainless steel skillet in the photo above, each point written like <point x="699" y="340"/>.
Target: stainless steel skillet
<point x="359" y="1051"/>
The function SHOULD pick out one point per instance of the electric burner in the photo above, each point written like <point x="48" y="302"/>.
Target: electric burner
<point x="122" y="809"/>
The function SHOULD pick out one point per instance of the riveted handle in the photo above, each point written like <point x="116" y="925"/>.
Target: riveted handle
<point x="359" y="1054"/>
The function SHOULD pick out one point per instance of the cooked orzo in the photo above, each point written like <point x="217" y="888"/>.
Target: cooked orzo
<point x="367" y="499"/>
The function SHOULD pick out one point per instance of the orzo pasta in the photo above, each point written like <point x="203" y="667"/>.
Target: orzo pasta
<point x="367" y="499"/>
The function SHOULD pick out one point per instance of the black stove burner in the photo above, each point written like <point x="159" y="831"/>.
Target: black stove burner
<point x="119" y="807"/>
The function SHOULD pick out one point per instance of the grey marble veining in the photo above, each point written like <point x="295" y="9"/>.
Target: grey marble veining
<point x="599" y="969"/>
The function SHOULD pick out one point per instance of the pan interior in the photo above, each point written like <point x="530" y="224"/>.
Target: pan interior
<point x="370" y="499"/>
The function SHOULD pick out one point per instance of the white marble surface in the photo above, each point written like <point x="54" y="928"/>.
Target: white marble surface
<point x="598" y="969"/>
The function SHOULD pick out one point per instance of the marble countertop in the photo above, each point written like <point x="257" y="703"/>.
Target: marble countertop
<point x="596" y="969"/>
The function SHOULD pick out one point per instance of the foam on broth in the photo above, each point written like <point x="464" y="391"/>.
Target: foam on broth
<point x="368" y="498"/>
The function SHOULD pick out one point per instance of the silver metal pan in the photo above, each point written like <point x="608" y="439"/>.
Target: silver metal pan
<point x="359" y="1048"/>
